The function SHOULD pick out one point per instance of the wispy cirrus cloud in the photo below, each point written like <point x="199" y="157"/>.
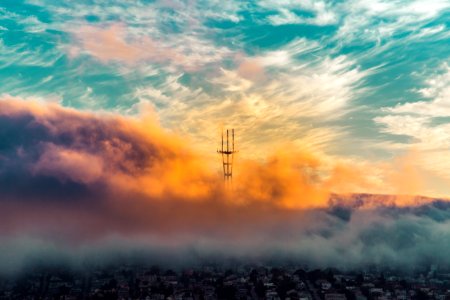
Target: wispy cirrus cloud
<point x="359" y="21"/>
<point x="281" y="97"/>
<point x="115" y="44"/>
<point x="436" y="90"/>
<point x="416" y="119"/>
<point x="290" y="12"/>
<point x="419" y="121"/>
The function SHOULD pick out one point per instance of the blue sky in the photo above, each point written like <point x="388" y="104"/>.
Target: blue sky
<point x="365" y="82"/>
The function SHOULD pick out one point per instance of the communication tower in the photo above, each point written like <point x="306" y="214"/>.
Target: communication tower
<point x="227" y="151"/>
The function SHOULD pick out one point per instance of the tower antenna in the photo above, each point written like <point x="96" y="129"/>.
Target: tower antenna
<point x="227" y="157"/>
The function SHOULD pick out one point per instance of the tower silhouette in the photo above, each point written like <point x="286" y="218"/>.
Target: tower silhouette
<point x="227" y="157"/>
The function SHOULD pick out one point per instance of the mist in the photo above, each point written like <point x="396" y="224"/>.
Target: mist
<point x="78" y="188"/>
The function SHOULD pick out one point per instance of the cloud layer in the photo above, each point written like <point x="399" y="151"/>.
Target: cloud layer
<point x="98" y="182"/>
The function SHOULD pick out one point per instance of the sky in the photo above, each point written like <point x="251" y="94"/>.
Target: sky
<point x="111" y="114"/>
<point x="364" y="82"/>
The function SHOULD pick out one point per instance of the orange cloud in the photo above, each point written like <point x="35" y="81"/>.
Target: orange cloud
<point x="251" y="69"/>
<point x="107" y="174"/>
<point x="75" y="180"/>
<point x="112" y="44"/>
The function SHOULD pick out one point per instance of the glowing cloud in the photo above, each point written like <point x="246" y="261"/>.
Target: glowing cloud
<point x="78" y="178"/>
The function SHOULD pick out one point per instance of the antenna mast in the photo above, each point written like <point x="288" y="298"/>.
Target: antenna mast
<point x="228" y="157"/>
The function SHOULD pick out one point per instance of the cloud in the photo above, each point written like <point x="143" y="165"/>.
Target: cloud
<point x="109" y="44"/>
<point x="114" y="43"/>
<point x="170" y="34"/>
<point x="251" y="69"/>
<point x="286" y="12"/>
<point x="47" y="148"/>
<point x="268" y="98"/>
<point x="419" y="122"/>
<point x="63" y="141"/>
<point x="73" y="183"/>
<point x="359" y="21"/>
<point x="69" y="164"/>
<point x="437" y="90"/>
<point x="22" y="55"/>
<point x="108" y="153"/>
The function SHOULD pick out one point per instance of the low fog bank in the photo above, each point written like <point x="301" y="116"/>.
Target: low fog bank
<point x="341" y="236"/>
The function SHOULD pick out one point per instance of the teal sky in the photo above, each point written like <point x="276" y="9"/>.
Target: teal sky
<point x="357" y="81"/>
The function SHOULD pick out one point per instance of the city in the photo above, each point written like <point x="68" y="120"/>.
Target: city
<point x="239" y="282"/>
